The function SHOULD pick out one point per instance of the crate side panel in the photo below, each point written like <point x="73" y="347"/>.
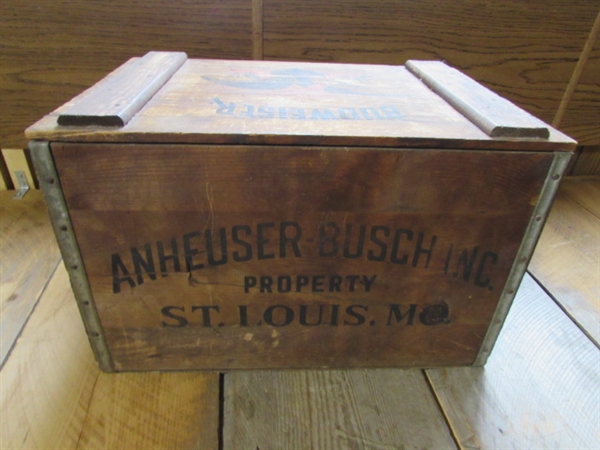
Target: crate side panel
<point x="249" y="257"/>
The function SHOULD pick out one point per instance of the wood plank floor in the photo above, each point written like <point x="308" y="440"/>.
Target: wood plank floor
<point x="539" y="389"/>
<point x="29" y="256"/>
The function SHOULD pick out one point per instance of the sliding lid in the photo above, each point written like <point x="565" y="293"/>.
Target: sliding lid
<point x="165" y="97"/>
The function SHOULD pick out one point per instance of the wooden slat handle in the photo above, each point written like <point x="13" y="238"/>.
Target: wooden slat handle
<point x="493" y="114"/>
<point x="119" y="96"/>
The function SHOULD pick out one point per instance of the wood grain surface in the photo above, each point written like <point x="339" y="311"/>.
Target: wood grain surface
<point x="292" y="103"/>
<point x="29" y="257"/>
<point x="374" y="409"/>
<point x="579" y="114"/>
<point x="588" y="161"/>
<point x="49" y="378"/>
<point x="583" y="190"/>
<point x="257" y="29"/>
<point x="582" y="118"/>
<point x="41" y="68"/>
<point x="245" y="215"/>
<point x="526" y="52"/>
<point x="115" y="99"/>
<point x="491" y="113"/>
<point x="52" y="394"/>
<point x="539" y="388"/>
<point x="567" y="257"/>
<point x="153" y="411"/>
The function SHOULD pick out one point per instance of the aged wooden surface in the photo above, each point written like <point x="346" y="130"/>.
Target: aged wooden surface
<point x="41" y="68"/>
<point x="153" y="411"/>
<point x="274" y="250"/>
<point x="577" y="71"/>
<point x="539" y="388"/>
<point x="361" y="409"/>
<point x="526" y="52"/>
<point x="578" y="113"/>
<point x="588" y="161"/>
<point x="257" y="29"/>
<point x="265" y="102"/>
<point x="117" y="98"/>
<point x="583" y="190"/>
<point x="29" y="257"/>
<point x="573" y="278"/>
<point x="52" y="395"/>
<point x="491" y="113"/>
<point x="582" y="116"/>
<point x="49" y="379"/>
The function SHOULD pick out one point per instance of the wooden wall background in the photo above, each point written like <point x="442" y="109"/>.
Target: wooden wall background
<point x="538" y="53"/>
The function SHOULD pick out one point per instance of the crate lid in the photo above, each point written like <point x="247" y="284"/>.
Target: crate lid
<point x="166" y="97"/>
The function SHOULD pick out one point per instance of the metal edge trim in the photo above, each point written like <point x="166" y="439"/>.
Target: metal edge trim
<point x="61" y="222"/>
<point x="532" y="234"/>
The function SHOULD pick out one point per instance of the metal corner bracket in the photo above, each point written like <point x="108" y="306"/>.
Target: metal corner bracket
<point x="532" y="234"/>
<point x="44" y="165"/>
<point x="23" y="184"/>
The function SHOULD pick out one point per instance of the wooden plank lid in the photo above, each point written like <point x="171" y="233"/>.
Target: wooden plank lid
<point x="117" y="98"/>
<point x="165" y="97"/>
<point x="493" y="114"/>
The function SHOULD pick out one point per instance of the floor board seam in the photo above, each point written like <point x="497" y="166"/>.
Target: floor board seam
<point x="87" y="410"/>
<point x="563" y="309"/>
<point x="575" y="200"/>
<point x="35" y="304"/>
<point x="442" y="411"/>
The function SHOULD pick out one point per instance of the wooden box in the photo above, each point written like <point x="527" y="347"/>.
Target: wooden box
<point x="244" y="214"/>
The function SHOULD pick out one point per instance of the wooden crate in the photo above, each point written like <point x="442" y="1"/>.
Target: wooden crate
<point x="236" y="214"/>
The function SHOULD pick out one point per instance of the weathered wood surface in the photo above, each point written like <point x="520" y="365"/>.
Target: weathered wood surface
<point x="496" y="116"/>
<point x="29" y="257"/>
<point x="257" y="29"/>
<point x="52" y="395"/>
<point x="588" y="161"/>
<point x="153" y="411"/>
<point x="114" y="100"/>
<point x="49" y="378"/>
<point x="567" y="258"/>
<point x="582" y="118"/>
<point x="366" y="409"/>
<point x="539" y="388"/>
<point x="579" y="114"/>
<point x="583" y="190"/>
<point x="300" y="219"/>
<point x="41" y="68"/>
<point x="526" y="52"/>
<point x="291" y="103"/>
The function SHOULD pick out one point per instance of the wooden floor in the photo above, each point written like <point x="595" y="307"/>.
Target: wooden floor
<point x="540" y="388"/>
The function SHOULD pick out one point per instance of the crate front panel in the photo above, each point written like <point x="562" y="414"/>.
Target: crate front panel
<point x="222" y="257"/>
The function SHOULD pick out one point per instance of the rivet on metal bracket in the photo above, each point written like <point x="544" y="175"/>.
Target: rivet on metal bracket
<point x="23" y="185"/>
